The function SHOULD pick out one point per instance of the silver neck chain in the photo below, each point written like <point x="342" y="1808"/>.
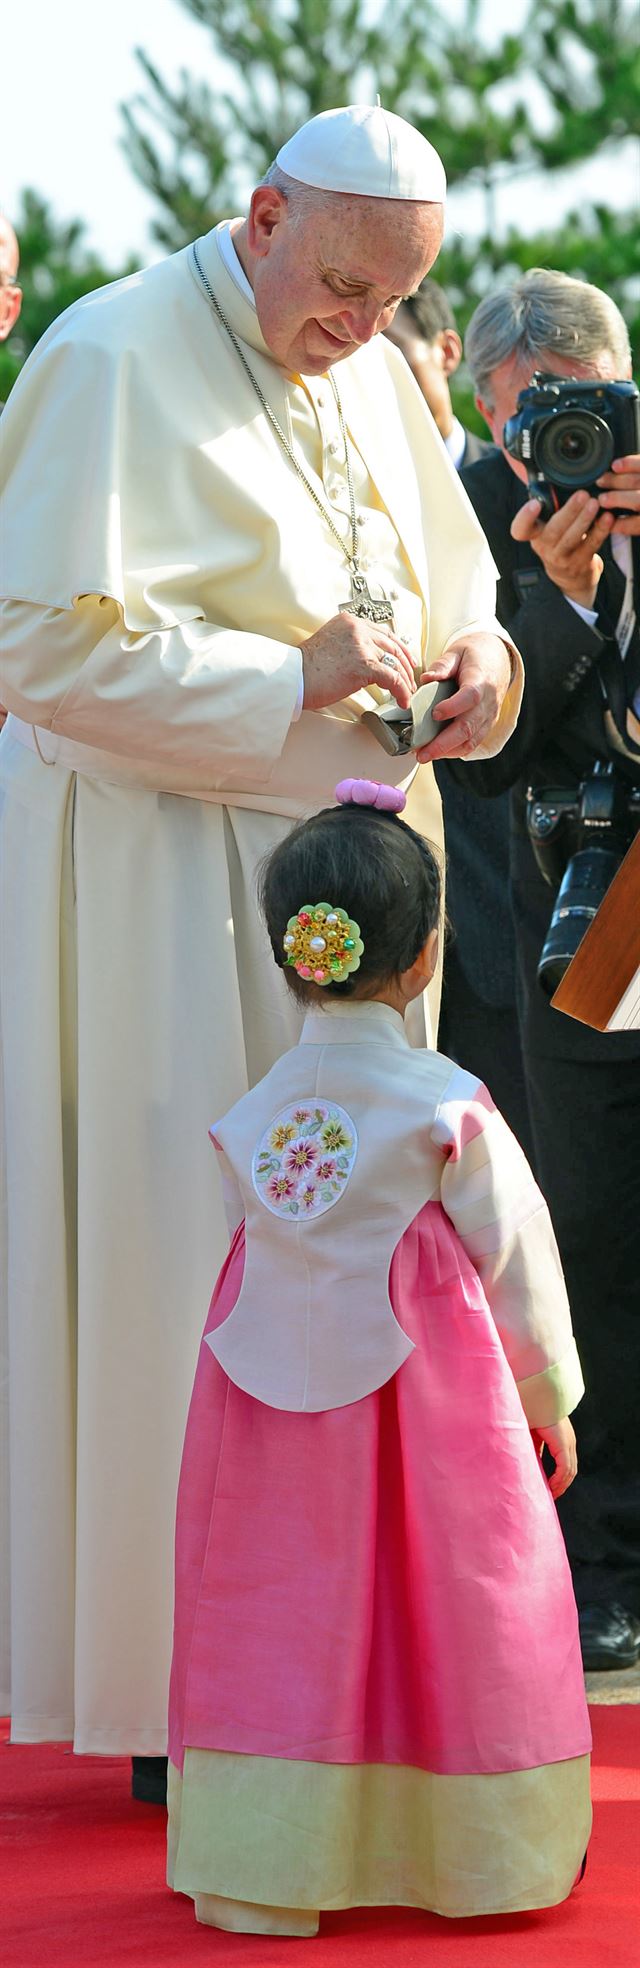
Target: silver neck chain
<point x="351" y="558"/>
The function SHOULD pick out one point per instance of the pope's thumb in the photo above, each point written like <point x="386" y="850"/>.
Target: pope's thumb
<point x="444" y="667"/>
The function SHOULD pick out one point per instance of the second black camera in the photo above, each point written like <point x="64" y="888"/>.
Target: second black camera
<point x="579" y="836"/>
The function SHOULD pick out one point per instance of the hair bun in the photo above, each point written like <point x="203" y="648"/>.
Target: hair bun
<point x="370" y="792"/>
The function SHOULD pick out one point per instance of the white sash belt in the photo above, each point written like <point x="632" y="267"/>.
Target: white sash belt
<point x="303" y="779"/>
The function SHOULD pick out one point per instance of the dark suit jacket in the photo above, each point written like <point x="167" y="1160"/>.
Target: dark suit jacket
<point x="475" y="448"/>
<point x="477" y="844"/>
<point x="476" y="834"/>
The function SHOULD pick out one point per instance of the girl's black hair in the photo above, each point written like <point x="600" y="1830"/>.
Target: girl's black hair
<point x="373" y="865"/>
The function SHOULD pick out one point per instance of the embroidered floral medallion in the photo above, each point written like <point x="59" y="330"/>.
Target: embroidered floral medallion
<point x="303" y="1163"/>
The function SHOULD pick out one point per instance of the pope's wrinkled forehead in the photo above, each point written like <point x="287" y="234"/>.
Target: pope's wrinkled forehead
<point x="370" y="242"/>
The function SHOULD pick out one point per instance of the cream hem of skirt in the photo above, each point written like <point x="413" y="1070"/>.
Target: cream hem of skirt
<point x="330" y="1836"/>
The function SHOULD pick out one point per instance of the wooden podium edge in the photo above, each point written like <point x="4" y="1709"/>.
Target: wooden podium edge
<point x="609" y="955"/>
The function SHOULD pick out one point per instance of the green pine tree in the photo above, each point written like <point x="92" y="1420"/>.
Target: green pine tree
<point x="567" y="83"/>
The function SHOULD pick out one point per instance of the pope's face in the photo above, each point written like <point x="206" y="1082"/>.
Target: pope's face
<point x="330" y="278"/>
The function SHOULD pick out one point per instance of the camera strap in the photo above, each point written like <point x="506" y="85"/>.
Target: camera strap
<point x="627" y="618"/>
<point x="615" y="599"/>
<point x="619" y="667"/>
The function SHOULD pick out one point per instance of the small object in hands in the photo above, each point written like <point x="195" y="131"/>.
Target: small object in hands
<point x="401" y="731"/>
<point x="323" y="943"/>
<point x="371" y="792"/>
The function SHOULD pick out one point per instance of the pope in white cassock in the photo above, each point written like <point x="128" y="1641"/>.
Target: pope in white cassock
<point x="210" y="469"/>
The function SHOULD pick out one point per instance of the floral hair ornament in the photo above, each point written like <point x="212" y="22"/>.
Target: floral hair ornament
<point x="323" y="944"/>
<point x="369" y="792"/>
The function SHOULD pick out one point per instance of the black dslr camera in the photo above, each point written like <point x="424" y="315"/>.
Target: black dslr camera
<point x="579" y="838"/>
<point x="567" y="432"/>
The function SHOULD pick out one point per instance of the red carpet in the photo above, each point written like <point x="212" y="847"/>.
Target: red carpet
<point x="82" y="1882"/>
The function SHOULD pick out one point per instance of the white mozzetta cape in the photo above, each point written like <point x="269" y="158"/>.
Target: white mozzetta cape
<point x="163" y="490"/>
<point x="313" y="1326"/>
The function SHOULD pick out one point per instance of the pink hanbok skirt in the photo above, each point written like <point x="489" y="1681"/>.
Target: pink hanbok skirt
<point x="377" y="1692"/>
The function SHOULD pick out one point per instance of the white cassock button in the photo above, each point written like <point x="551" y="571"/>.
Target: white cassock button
<point x="320" y="402"/>
<point x="393" y="594"/>
<point x="360" y="519"/>
<point x="332" y="447"/>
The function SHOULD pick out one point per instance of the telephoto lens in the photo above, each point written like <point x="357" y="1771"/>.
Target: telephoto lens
<point x="584" y="884"/>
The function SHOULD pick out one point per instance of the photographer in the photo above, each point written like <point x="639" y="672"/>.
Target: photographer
<point x="569" y="595"/>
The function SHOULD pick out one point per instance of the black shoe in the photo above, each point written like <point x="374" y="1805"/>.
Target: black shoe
<point x="609" y="1637"/>
<point x="149" y="1779"/>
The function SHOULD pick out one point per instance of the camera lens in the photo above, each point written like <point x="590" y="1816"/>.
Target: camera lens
<point x="586" y="880"/>
<point x="574" y="448"/>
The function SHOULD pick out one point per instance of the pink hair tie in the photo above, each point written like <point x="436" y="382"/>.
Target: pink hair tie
<point x="370" y="792"/>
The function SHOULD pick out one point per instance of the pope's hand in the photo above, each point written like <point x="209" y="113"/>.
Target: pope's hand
<point x="348" y="654"/>
<point x="482" y="666"/>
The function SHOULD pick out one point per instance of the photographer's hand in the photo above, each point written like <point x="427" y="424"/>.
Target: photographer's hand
<point x="623" y="489"/>
<point x="568" y="544"/>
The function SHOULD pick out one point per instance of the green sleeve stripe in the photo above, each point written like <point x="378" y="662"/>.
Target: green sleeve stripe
<point x="551" y="1395"/>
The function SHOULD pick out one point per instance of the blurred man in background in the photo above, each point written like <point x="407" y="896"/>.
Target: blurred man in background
<point x="10" y="291"/>
<point x="425" y="332"/>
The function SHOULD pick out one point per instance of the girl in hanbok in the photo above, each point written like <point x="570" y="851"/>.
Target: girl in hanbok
<point x="377" y="1694"/>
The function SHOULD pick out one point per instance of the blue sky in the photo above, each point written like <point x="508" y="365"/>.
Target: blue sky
<point x="61" y="125"/>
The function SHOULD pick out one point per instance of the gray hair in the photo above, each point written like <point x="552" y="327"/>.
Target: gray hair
<point x="543" y="311"/>
<point x="300" y="198"/>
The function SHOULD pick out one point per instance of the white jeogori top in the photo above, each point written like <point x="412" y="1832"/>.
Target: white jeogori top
<point x="331" y="1157"/>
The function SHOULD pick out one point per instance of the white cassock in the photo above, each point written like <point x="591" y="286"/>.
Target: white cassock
<point x="163" y="565"/>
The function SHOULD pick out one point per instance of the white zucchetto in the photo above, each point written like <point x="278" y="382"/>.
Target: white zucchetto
<point x="365" y="150"/>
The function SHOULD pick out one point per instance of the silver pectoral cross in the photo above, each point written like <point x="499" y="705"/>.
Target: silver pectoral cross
<point x="365" y="604"/>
